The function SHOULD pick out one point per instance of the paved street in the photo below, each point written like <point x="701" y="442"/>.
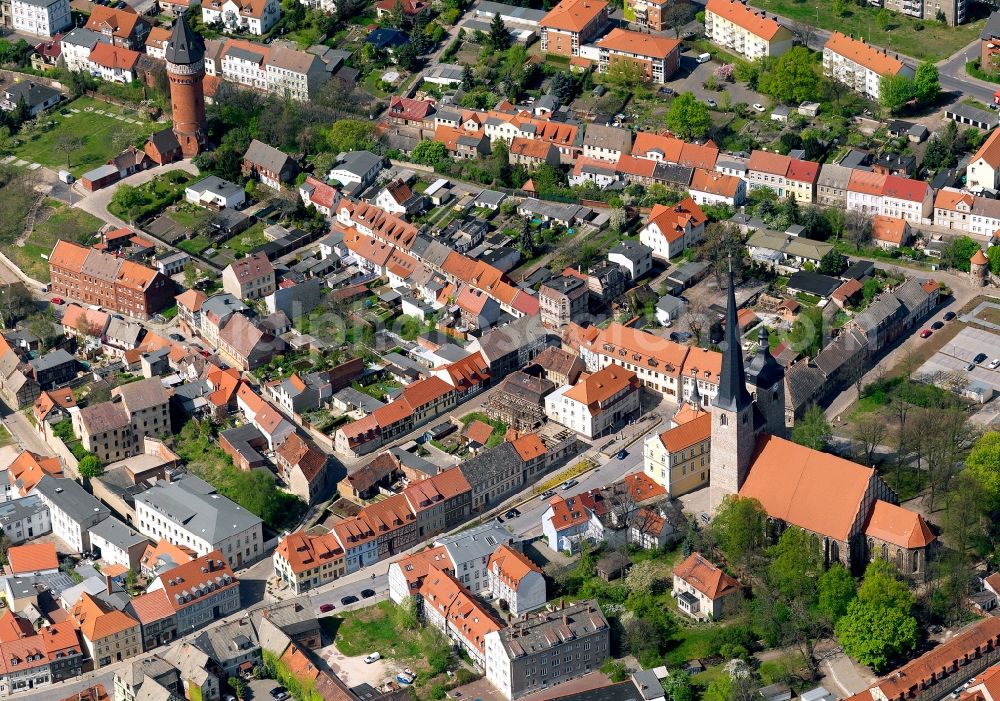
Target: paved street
<point x="23" y="432"/>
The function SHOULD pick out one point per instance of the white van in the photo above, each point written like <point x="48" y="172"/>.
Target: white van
<point x="704" y="58"/>
<point x="66" y="177"/>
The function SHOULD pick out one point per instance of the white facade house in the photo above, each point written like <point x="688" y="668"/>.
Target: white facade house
<point x="272" y="69"/>
<point x="40" y="17"/>
<point x="216" y="193"/>
<point x="670" y="230"/>
<point x="24" y="519"/>
<point x="77" y="45"/>
<point x="513" y="578"/>
<point x="250" y="16"/>
<point x="596" y="404"/>
<point x="469" y="552"/>
<point x="72" y="511"/>
<point x="634" y="258"/>
<point x="891" y="196"/>
<point x="983" y="170"/>
<point x="749" y="32"/>
<point x="859" y="65"/>
<point x="188" y="512"/>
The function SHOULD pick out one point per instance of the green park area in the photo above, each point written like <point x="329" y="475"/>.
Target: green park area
<point x="922" y="39"/>
<point x="88" y="138"/>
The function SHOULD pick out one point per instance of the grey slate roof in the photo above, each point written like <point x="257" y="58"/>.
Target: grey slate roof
<point x="217" y="185"/>
<point x="143" y="394"/>
<point x="536" y="633"/>
<point x="69" y="497"/>
<point x="834" y="176"/>
<point x="266" y="156"/>
<point x="228" y="640"/>
<point x="52" y="359"/>
<point x="632" y="250"/>
<point x="360" y="163"/>
<point x="13" y="511"/>
<point x="81" y="36"/>
<point x="117" y="533"/>
<point x="803" y="382"/>
<point x="184" y="46"/>
<point x="193" y="504"/>
<point x="487" y="466"/>
<point x="606" y="137"/>
<point x="222" y="304"/>
<point x="479" y="542"/>
<point x="31" y="92"/>
<point x="845" y="348"/>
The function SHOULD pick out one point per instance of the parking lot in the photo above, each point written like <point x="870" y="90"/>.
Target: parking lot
<point x="949" y="364"/>
<point x="691" y="76"/>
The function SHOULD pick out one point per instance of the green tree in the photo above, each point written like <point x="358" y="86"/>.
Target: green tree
<point x="875" y="635"/>
<point x="238" y="686"/>
<point x="881" y="586"/>
<point x="624" y="75"/>
<point x="688" y="117"/>
<point x="983" y="462"/>
<point x="806" y="335"/>
<point x="429" y="152"/>
<point x="677" y="687"/>
<point x="350" y="135"/>
<point x="739" y="527"/>
<point x="959" y="252"/>
<point x="836" y="590"/>
<point x="499" y="36"/>
<point x="128" y="199"/>
<point x="407" y="56"/>
<point x="882" y="19"/>
<point x="796" y="563"/>
<point x="791" y="78"/>
<point x="926" y="84"/>
<point x="190" y="274"/>
<point x="839" y="8"/>
<point x="894" y="91"/>
<point x="813" y="430"/>
<point x="833" y="263"/>
<point x="90" y="466"/>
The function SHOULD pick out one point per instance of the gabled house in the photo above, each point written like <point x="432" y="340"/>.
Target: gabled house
<point x="671" y="229"/>
<point x="268" y="165"/>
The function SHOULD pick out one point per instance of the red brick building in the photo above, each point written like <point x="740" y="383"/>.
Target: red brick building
<point x="108" y="281"/>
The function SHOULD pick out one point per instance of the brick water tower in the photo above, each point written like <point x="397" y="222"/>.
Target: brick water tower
<point x="185" y="55"/>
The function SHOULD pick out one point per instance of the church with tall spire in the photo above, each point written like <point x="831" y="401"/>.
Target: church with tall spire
<point x="746" y="406"/>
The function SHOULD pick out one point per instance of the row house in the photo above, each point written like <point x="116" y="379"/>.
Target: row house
<point x="113" y="63"/>
<point x="271" y="69"/>
<point x="407" y="112"/>
<point x="709" y="187"/>
<point x="76" y="45"/>
<point x="658" y="57"/>
<point x="358" y="540"/>
<point x="304" y="561"/>
<point x="33" y="660"/>
<point x="200" y="591"/>
<point x="418" y="402"/>
<point x="251" y="16"/>
<point x="108" y="281"/>
<point x="373" y="221"/>
<point x="891" y="196"/>
<point x="452" y="609"/>
<point x="532" y="153"/>
<point x="319" y="195"/>
<point x="788" y="177"/>
<point x="461" y="143"/>
<point x="859" y="65"/>
<point x="663" y="366"/>
<point x="745" y="30"/>
<point x="606" y="143"/>
<point x="664" y="148"/>
<point x="983" y="171"/>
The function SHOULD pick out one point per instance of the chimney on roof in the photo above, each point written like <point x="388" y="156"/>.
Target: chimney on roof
<point x="108" y="584"/>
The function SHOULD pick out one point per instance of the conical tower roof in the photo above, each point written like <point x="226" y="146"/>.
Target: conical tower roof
<point x="764" y="370"/>
<point x="184" y="47"/>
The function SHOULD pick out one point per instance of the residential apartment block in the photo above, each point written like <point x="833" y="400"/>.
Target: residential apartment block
<point x="113" y="283"/>
<point x="747" y="31"/>
<point x="200" y="591"/>
<point x="597" y="404"/>
<point x="669" y="230"/>
<point x="891" y="196"/>
<point x="250" y="16"/>
<point x="114" y="430"/>
<point x="659" y="57"/>
<point x="268" y="68"/>
<point x="571" y="24"/>
<point x="859" y="65"/>
<point x="40" y="17"/>
<point x="187" y="512"/>
<point x="547" y="648"/>
<point x="251" y="277"/>
<point x="562" y="300"/>
<point x="785" y="175"/>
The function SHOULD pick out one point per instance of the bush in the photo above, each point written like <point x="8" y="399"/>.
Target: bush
<point x="614" y="670"/>
<point x="437" y="692"/>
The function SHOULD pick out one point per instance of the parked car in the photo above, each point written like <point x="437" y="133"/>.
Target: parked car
<point x="57" y="300"/>
<point x="970" y="367"/>
<point x="326" y="608"/>
<point x="711" y="103"/>
<point x="546" y="495"/>
<point x="569" y="484"/>
<point x="175" y="337"/>
<point x="937" y="325"/>
<point x="758" y="107"/>
<point x="979" y="358"/>
<point x="373" y="657"/>
<point x="279" y="693"/>
<point x="367" y="593"/>
<point x="513" y="513"/>
<point x="925" y="333"/>
<point x="346" y="600"/>
<point x="949" y="316"/>
<point x="622" y="454"/>
<point x="994" y="364"/>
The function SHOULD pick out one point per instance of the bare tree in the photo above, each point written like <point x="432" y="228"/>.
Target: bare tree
<point x="805" y="33"/>
<point x="858" y="228"/>
<point x="68" y="143"/>
<point x="698" y="320"/>
<point x="946" y="439"/>
<point x="869" y="430"/>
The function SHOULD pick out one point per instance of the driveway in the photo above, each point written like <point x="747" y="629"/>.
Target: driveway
<point x="691" y="76"/>
<point x="96" y="203"/>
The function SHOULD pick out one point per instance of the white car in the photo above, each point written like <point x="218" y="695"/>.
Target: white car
<point x="374" y="657"/>
<point x="759" y="107"/>
<point x="994" y="364"/>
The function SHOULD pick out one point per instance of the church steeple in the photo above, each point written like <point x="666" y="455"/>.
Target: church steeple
<point x="695" y="397"/>
<point x="733" y="395"/>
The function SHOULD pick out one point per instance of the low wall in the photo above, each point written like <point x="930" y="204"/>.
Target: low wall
<point x="71" y="466"/>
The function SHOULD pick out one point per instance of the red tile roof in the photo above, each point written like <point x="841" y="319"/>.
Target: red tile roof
<point x="706" y="577"/>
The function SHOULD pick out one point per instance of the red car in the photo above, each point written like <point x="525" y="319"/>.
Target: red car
<point x="925" y="333"/>
<point x="326" y="608"/>
<point x="57" y="300"/>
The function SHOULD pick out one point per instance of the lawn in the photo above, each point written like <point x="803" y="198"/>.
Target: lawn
<point x="376" y="628"/>
<point x="190" y="217"/>
<point x="241" y="244"/>
<point x="934" y="42"/>
<point x="102" y="136"/>
<point x="195" y="246"/>
<point x="56" y="221"/>
<point x="156" y="195"/>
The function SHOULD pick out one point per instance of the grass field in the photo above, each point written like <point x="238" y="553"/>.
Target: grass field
<point x="934" y="42"/>
<point x="55" y="221"/>
<point x="195" y="246"/>
<point x="243" y="243"/>
<point x="102" y="136"/>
